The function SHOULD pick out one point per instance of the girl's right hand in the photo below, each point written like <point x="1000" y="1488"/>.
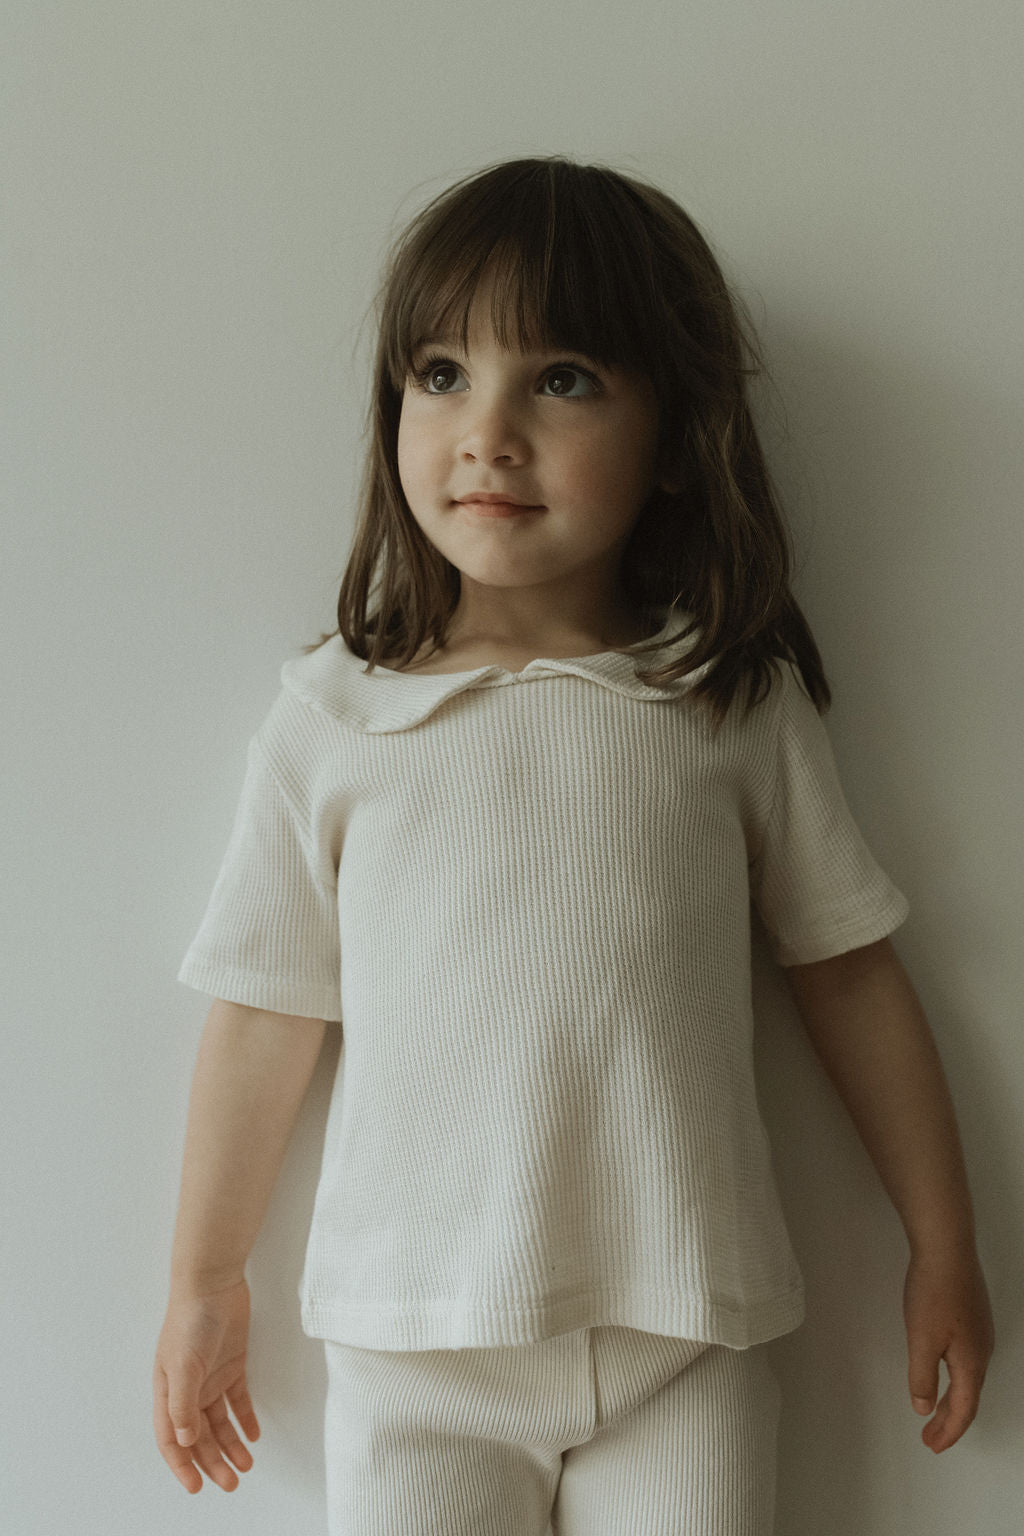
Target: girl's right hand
<point x="199" y="1372"/>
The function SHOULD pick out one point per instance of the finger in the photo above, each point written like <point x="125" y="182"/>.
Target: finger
<point x="226" y="1436"/>
<point x="207" y="1453"/>
<point x="242" y="1408"/>
<point x="185" y="1471"/>
<point x="180" y="1462"/>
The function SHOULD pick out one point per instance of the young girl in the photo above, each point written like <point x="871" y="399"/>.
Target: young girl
<point x="507" y="827"/>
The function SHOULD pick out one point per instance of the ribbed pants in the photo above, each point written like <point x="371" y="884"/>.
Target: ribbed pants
<point x="603" y="1431"/>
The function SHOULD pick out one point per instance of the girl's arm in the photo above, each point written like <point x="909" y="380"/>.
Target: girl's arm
<point x="251" y="1073"/>
<point x="871" y="1035"/>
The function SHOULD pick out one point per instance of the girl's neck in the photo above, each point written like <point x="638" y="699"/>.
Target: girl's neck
<point x="465" y="650"/>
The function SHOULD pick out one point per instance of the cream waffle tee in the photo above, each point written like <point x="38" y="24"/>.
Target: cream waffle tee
<point x="526" y="899"/>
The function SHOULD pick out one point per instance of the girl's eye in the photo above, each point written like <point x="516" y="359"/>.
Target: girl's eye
<point x="561" y="369"/>
<point x="434" y="368"/>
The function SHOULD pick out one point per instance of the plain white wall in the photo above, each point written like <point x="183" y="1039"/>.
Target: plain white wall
<point x="197" y="199"/>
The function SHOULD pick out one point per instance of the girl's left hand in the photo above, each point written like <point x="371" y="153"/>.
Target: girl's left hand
<point x="948" y="1317"/>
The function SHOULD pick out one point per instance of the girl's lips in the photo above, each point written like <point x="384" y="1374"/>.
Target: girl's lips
<point x="496" y="508"/>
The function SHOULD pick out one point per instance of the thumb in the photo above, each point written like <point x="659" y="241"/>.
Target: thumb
<point x="183" y="1400"/>
<point x="923" y="1376"/>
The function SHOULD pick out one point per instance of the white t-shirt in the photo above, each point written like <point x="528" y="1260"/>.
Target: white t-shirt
<point x="526" y="897"/>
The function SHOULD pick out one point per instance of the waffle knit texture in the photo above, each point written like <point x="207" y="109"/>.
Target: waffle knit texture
<point x="526" y="898"/>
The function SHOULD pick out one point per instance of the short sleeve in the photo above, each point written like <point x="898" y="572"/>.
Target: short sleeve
<point x="269" y="937"/>
<point x="815" y="884"/>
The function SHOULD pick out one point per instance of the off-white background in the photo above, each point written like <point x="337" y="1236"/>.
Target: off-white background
<point x="197" y="199"/>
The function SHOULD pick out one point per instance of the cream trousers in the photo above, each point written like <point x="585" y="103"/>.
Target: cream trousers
<point x="603" y="1431"/>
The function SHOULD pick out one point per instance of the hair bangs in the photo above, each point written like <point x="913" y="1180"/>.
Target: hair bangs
<point x="561" y="261"/>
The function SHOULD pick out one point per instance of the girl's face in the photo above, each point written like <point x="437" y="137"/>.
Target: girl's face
<point x="551" y="429"/>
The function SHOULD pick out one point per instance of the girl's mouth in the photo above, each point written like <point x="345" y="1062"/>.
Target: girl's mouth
<point x="496" y="509"/>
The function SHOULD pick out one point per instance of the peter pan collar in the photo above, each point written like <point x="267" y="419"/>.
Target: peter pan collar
<point x="333" y="679"/>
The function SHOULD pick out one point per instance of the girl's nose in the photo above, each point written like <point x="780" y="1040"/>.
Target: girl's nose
<point x="493" y="430"/>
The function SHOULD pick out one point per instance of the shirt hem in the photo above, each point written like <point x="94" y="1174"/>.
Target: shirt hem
<point x="446" y="1326"/>
<point x="844" y="937"/>
<point x="276" y="995"/>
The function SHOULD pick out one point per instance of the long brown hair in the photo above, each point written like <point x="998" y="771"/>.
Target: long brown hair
<point x="589" y="258"/>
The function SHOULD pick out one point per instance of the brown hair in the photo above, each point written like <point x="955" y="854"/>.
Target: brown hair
<point x="588" y="258"/>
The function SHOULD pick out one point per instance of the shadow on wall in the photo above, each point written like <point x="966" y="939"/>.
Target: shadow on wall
<point x="879" y="454"/>
<point x="849" y="1245"/>
<point x="287" y="1372"/>
<point x="850" y="1457"/>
